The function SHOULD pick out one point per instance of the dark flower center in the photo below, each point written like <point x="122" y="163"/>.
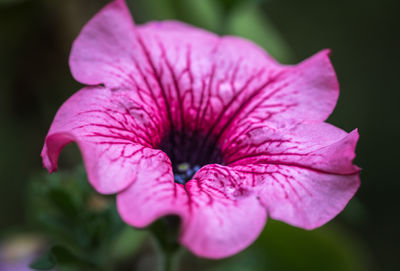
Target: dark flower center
<point x="189" y="151"/>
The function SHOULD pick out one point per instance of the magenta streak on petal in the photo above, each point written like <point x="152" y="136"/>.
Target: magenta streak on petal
<point x="287" y="165"/>
<point x="298" y="165"/>
<point x="106" y="140"/>
<point x="201" y="111"/>
<point x="242" y="107"/>
<point x="157" y="76"/>
<point x="176" y="86"/>
<point x="244" y="134"/>
<point x="223" y="111"/>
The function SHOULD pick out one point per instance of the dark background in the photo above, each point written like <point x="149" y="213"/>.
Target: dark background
<point x="36" y="35"/>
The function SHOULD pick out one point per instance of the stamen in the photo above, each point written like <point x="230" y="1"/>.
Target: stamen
<point x="183" y="167"/>
<point x="185" y="172"/>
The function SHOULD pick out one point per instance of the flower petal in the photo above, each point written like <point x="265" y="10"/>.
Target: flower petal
<point x="203" y="78"/>
<point x="198" y="80"/>
<point x="101" y="53"/>
<point x="215" y="85"/>
<point x="212" y="207"/>
<point x="224" y="217"/>
<point x="301" y="196"/>
<point x="307" y="91"/>
<point x="302" y="93"/>
<point x="303" y="175"/>
<point x="320" y="146"/>
<point x="112" y="129"/>
<point x="153" y="194"/>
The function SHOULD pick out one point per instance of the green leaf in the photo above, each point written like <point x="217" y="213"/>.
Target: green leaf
<point x="61" y="257"/>
<point x="64" y="202"/>
<point x="64" y="256"/>
<point x="45" y="262"/>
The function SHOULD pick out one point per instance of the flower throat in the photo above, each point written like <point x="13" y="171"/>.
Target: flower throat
<point x="188" y="152"/>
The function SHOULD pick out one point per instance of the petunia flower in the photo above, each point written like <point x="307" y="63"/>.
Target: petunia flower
<point x="177" y="120"/>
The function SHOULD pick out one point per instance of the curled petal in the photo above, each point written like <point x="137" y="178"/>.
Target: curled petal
<point x="303" y="176"/>
<point x="108" y="128"/>
<point x="320" y="146"/>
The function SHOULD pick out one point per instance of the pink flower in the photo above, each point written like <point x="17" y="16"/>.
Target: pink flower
<point x="177" y="120"/>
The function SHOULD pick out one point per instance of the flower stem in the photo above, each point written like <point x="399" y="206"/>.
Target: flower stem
<point x="170" y="261"/>
<point x="165" y="232"/>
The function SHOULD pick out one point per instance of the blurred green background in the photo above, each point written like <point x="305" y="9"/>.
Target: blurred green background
<point x="35" y="39"/>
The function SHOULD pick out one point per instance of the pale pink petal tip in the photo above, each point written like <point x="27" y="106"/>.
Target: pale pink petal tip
<point x="103" y="46"/>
